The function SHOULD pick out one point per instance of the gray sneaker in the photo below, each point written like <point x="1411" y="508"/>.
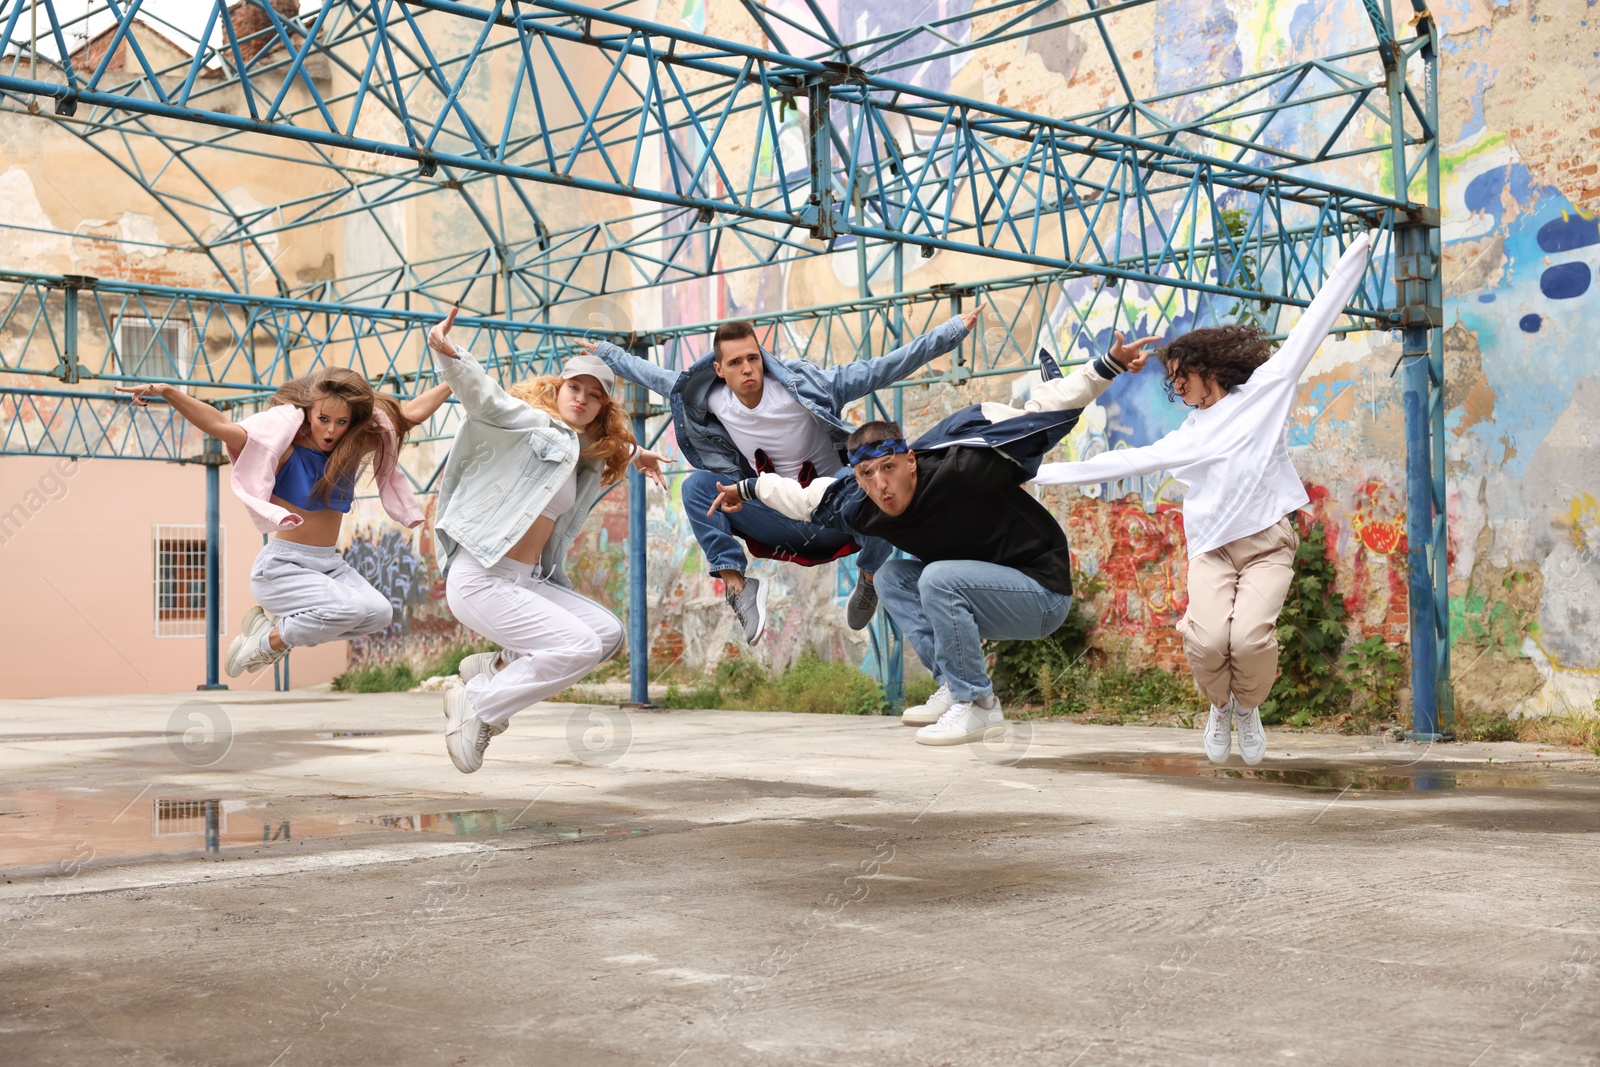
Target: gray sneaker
<point x="863" y="604"/>
<point x="750" y="605"/>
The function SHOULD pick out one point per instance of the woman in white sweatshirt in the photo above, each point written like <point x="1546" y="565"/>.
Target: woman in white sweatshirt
<point x="1232" y="454"/>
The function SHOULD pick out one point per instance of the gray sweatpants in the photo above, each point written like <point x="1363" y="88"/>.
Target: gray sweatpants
<point x="315" y="595"/>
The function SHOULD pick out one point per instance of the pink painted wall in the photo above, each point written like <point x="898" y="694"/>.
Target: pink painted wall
<point x="77" y="574"/>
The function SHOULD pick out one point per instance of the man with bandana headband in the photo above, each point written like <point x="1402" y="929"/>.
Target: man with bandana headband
<point x="990" y="562"/>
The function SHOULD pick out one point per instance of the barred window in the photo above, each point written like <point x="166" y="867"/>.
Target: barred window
<point x="180" y="587"/>
<point x="150" y="349"/>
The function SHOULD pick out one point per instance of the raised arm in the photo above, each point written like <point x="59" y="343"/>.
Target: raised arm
<point x="420" y="408"/>
<point x="197" y="413"/>
<point x="629" y="366"/>
<point x="1175" y="448"/>
<point x="851" y="381"/>
<point x="1292" y="357"/>
<point x="479" y="394"/>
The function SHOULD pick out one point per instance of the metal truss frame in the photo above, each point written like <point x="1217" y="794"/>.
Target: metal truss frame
<point x="733" y="156"/>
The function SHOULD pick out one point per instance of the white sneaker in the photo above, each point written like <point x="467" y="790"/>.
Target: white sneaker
<point x="1252" y="736"/>
<point x="244" y="653"/>
<point x="928" y="714"/>
<point x="1219" y="732"/>
<point x="484" y="663"/>
<point x="963" y="721"/>
<point x="465" y="735"/>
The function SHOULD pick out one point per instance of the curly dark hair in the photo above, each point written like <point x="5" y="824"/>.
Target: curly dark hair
<point x="1226" y="354"/>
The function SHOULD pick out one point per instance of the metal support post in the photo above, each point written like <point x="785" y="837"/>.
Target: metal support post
<point x="1416" y="281"/>
<point x="67" y="361"/>
<point x="638" y="599"/>
<point x="212" y="458"/>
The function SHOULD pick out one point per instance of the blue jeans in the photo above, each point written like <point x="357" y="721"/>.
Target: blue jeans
<point x="760" y="523"/>
<point x="946" y="609"/>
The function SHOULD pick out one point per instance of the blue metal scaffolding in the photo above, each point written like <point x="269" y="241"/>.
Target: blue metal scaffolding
<point x="719" y="156"/>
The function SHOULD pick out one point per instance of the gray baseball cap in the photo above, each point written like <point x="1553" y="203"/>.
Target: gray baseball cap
<point x="594" y="367"/>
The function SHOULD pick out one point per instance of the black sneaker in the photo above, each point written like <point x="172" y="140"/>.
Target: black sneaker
<point x="863" y="604"/>
<point x="750" y="606"/>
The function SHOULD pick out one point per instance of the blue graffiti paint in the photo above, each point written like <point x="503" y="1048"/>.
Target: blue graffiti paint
<point x="1531" y="390"/>
<point x="1565" y="281"/>
<point x="1484" y="193"/>
<point x="1569" y="232"/>
<point x="1485" y="298"/>
<point x="1530" y="323"/>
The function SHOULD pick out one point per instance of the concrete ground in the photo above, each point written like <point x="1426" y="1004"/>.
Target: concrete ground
<point x="287" y="879"/>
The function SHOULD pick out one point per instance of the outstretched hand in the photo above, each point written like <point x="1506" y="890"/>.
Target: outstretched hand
<point x="969" y="319"/>
<point x="439" y="336"/>
<point x="1132" y="356"/>
<point x="587" y="345"/>
<point x="142" y="394"/>
<point x="727" y="499"/>
<point x="649" y="463"/>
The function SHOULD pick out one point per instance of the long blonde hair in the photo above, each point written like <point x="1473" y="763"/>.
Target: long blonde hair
<point x="607" y="439"/>
<point x="364" y="437"/>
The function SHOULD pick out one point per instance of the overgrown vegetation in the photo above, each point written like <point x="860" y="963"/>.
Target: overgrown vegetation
<point x="1056" y="676"/>
<point x="811" y="685"/>
<point x="378" y="678"/>
<point x="1320" y="681"/>
<point x="399" y="677"/>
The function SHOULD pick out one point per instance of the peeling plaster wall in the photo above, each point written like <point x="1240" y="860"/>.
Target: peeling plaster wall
<point x="1519" y="91"/>
<point x="1520" y="117"/>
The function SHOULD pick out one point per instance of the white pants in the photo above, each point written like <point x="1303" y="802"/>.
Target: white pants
<point x="315" y="595"/>
<point x="552" y="636"/>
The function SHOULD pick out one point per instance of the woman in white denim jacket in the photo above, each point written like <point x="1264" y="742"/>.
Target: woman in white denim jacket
<point x="525" y="468"/>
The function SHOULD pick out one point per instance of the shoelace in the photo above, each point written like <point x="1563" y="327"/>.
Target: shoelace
<point x="954" y="712"/>
<point x="741" y="610"/>
<point x="1219" y="724"/>
<point x="485" y="732"/>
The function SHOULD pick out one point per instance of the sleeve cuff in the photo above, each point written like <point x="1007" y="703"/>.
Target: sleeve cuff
<point x="1107" y="367"/>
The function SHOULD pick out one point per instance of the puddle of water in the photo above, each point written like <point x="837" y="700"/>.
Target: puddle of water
<point x="492" y="821"/>
<point x="42" y="829"/>
<point x="1418" y="778"/>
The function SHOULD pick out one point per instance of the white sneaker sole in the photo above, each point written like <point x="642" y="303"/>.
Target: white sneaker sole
<point x="919" y="718"/>
<point x="459" y="741"/>
<point x="243" y="647"/>
<point x="761" y="613"/>
<point x="961" y="739"/>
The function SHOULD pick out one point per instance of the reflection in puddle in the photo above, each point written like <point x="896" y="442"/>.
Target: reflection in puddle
<point x="1416" y="778"/>
<point x="187" y="818"/>
<point x="38" y="828"/>
<point x="492" y="821"/>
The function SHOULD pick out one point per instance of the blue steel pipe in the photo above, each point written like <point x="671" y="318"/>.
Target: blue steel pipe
<point x="638" y="607"/>
<point x="1419" y="537"/>
<point x="213" y="463"/>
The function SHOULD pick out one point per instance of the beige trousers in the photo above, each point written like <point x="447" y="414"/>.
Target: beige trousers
<point x="1230" y="631"/>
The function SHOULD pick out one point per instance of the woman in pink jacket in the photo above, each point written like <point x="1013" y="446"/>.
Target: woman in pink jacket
<point x="295" y="466"/>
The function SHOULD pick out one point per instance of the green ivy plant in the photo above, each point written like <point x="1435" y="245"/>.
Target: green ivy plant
<point x="1312" y="630"/>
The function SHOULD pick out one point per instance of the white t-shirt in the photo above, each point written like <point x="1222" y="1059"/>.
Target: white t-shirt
<point x="1233" y="455"/>
<point x="565" y="496"/>
<point x="778" y="426"/>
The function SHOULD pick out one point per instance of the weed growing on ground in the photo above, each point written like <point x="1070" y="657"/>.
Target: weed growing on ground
<point x="380" y="678"/>
<point x="920" y="689"/>
<point x="811" y="685"/>
<point x="399" y="677"/>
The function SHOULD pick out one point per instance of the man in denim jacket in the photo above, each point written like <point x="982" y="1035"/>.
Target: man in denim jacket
<point x="729" y="424"/>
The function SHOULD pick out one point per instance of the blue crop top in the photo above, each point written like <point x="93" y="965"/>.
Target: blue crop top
<point x="298" y="477"/>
